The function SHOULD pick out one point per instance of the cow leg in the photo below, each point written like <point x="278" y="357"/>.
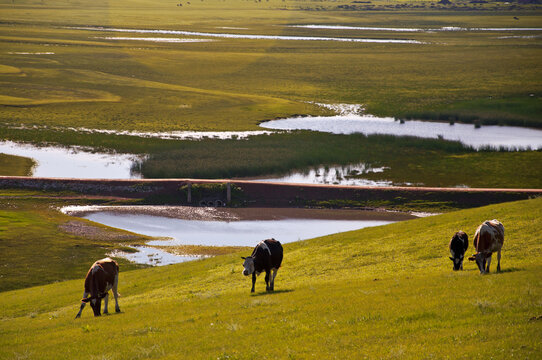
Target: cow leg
<point x="273" y="279"/>
<point x="253" y="281"/>
<point x="116" y="294"/>
<point x="85" y="294"/>
<point x="499" y="261"/>
<point x="267" y="288"/>
<point x="106" y="300"/>
<point x="488" y="263"/>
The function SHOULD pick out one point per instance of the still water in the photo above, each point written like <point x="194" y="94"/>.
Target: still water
<point x="226" y="233"/>
<point x="215" y="233"/>
<point x="496" y="136"/>
<point x="73" y="162"/>
<point x="248" y="36"/>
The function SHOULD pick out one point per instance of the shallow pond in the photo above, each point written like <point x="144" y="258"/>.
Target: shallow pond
<point x="497" y="136"/>
<point x="218" y="232"/>
<point x="53" y="161"/>
<point x="226" y="233"/>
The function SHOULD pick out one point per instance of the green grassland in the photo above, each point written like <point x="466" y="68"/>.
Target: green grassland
<point x="35" y="238"/>
<point x="386" y="292"/>
<point x="233" y="84"/>
<point x="15" y="165"/>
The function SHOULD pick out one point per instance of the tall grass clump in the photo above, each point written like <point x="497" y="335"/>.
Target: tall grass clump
<point x="281" y="153"/>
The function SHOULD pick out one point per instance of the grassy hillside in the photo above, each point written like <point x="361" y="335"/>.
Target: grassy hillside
<point x="35" y="238"/>
<point x="386" y="292"/>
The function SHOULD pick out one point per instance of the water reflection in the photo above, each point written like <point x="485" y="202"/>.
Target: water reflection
<point x="226" y="233"/>
<point x="73" y="162"/>
<point x="152" y="256"/>
<point x="334" y="175"/>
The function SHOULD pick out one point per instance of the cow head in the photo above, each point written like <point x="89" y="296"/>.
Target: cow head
<point x="458" y="261"/>
<point x="248" y="265"/>
<point x="480" y="259"/>
<point x="95" y="303"/>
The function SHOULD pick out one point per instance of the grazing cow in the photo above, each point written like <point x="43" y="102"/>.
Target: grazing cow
<point x="102" y="277"/>
<point x="267" y="256"/>
<point x="488" y="239"/>
<point x="458" y="246"/>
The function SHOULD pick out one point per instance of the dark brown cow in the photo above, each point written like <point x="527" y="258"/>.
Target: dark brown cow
<point x="489" y="238"/>
<point x="102" y="276"/>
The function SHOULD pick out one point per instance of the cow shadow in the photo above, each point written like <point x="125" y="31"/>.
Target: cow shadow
<point x="282" y="291"/>
<point x="507" y="270"/>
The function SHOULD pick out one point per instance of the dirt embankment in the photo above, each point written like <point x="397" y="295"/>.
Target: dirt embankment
<point x="255" y="194"/>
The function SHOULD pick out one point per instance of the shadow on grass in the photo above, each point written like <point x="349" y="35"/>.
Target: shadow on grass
<point x="508" y="270"/>
<point x="272" y="292"/>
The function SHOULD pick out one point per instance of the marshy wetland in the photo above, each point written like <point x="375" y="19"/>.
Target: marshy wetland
<point x="181" y="89"/>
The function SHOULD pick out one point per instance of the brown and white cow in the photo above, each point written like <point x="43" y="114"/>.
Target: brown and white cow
<point x="489" y="238"/>
<point x="266" y="256"/>
<point x="102" y="276"/>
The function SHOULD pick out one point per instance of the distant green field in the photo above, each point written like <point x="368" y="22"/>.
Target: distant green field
<point x="58" y="76"/>
<point x="53" y="75"/>
<point x="386" y="292"/>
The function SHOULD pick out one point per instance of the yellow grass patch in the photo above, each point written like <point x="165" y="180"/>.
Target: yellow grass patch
<point x="6" y="69"/>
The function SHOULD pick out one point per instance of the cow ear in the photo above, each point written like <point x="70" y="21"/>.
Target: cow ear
<point x="242" y="257"/>
<point x="451" y="258"/>
<point x="472" y="258"/>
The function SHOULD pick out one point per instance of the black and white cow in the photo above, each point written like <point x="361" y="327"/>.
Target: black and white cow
<point x="458" y="245"/>
<point x="102" y="276"/>
<point x="267" y="256"/>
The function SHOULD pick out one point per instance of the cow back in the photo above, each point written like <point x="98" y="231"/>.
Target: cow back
<point x="276" y="252"/>
<point x="459" y="243"/>
<point x="267" y="255"/>
<point x="489" y="237"/>
<point x="101" y="274"/>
